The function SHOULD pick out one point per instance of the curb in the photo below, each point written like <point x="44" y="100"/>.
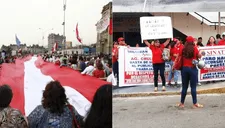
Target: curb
<point x="204" y="91"/>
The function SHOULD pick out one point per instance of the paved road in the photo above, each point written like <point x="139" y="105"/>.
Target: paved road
<point x="160" y="112"/>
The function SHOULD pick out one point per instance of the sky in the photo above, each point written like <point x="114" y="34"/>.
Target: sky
<point x="25" y="17"/>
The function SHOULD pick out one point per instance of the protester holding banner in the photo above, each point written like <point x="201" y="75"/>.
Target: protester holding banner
<point x="158" y="62"/>
<point x="174" y="52"/>
<point x="222" y="41"/>
<point x="115" y="53"/>
<point x="189" y="71"/>
<point x="211" y="41"/>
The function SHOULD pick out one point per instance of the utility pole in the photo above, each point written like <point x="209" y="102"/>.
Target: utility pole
<point x="64" y="24"/>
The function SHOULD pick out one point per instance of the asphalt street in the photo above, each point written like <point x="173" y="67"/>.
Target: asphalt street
<point x="160" y="112"/>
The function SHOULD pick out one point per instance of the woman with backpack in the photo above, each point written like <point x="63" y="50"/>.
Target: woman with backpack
<point x="158" y="61"/>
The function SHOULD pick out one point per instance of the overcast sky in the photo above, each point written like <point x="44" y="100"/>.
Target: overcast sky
<point x="24" y="17"/>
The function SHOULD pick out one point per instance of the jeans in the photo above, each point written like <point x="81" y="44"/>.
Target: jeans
<point x="175" y="72"/>
<point x="189" y="75"/>
<point x="159" y="67"/>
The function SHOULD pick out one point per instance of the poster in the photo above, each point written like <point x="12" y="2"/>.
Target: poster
<point x="157" y="27"/>
<point x="214" y="58"/>
<point x="135" y="67"/>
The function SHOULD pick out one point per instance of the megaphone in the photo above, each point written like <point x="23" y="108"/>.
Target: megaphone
<point x="199" y="63"/>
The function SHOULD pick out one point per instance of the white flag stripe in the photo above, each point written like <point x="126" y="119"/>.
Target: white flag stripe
<point x="34" y="84"/>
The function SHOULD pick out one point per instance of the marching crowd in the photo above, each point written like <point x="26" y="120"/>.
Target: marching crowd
<point x="55" y="111"/>
<point x="96" y="66"/>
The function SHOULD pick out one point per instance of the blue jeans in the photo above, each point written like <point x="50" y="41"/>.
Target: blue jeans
<point x="189" y="75"/>
<point x="175" y="72"/>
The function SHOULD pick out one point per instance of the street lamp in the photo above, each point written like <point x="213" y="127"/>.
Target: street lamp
<point x="43" y="33"/>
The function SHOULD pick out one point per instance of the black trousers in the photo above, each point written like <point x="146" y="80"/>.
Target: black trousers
<point x="159" y="67"/>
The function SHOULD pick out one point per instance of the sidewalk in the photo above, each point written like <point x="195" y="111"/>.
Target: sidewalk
<point x="145" y="90"/>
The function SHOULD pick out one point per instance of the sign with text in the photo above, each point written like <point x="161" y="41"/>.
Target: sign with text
<point x="214" y="58"/>
<point x="157" y="27"/>
<point x="135" y="67"/>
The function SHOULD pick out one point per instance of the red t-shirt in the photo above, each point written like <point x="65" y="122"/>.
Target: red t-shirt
<point x="221" y="42"/>
<point x="114" y="53"/>
<point x="188" y="62"/>
<point x="177" y="49"/>
<point x="98" y="73"/>
<point x="157" y="53"/>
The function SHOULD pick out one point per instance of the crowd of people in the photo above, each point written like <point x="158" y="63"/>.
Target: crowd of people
<point x="96" y="66"/>
<point x="187" y="50"/>
<point x="55" y="110"/>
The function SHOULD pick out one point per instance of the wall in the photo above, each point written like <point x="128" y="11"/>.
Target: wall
<point x="190" y="25"/>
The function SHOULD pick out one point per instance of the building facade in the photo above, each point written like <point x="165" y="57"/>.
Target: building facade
<point x="55" y="38"/>
<point x="104" y="38"/>
<point x="127" y="25"/>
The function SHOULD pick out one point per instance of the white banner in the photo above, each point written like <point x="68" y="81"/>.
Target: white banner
<point x="214" y="58"/>
<point x="156" y="27"/>
<point x="102" y="25"/>
<point x="135" y="67"/>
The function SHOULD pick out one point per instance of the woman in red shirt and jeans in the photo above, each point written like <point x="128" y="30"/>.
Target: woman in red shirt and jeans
<point x="189" y="71"/>
<point x="158" y="62"/>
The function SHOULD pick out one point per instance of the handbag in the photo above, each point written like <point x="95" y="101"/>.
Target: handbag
<point x="75" y="124"/>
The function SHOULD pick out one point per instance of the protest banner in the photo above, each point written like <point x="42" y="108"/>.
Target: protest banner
<point x="135" y="67"/>
<point x="214" y="58"/>
<point x="157" y="27"/>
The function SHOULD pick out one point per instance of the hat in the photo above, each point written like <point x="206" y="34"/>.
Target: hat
<point x="190" y="39"/>
<point x="120" y="39"/>
<point x="223" y="34"/>
<point x="175" y="39"/>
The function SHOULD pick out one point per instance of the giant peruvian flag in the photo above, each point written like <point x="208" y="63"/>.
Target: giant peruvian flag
<point x="29" y="76"/>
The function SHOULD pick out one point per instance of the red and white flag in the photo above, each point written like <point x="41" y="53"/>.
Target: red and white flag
<point x="77" y="34"/>
<point x="55" y="46"/>
<point x="29" y="76"/>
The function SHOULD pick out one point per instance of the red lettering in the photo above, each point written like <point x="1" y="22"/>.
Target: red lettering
<point x="134" y="58"/>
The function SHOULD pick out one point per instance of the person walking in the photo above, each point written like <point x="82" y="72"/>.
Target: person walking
<point x="158" y="62"/>
<point x="189" y="71"/>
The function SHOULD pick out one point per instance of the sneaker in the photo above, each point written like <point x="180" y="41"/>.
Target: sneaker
<point x="199" y="84"/>
<point x="163" y="88"/>
<point x="156" y="89"/>
<point x="169" y="84"/>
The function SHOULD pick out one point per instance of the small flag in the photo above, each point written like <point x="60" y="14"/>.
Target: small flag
<point x="17" y="41"/>
<point x="110" y="27"/>
<point x="77" y="34"/>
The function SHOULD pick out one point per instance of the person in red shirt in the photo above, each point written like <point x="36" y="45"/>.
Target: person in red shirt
<point x="174" y="52"/>
<point x="115" y="54"/>
<point x="189" y="71"/>
<point x="222" y="41"/>
<point x="211" y="41"/>
<point x="99" y="72"/>
<point x="158" y="62"/>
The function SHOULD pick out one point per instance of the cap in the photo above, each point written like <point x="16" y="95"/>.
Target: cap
<point x="190" y="39"/>
<point x="223" y="34"/>
<point x="175" y="39"/>
<point x="120" y="39"/>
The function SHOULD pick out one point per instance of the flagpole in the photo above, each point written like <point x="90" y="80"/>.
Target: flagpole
<point x="64" y="24"/>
